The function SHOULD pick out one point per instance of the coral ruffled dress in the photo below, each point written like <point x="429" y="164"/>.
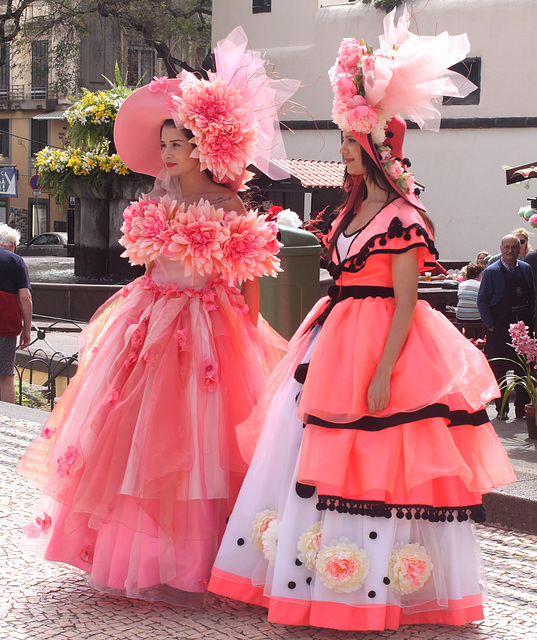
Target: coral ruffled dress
<point x="355" y="521"/>
<point x="139" y="460"/>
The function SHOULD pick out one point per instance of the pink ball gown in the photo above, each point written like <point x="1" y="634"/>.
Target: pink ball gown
<point x="355" y="521"/>
<point x="138" y="462"/>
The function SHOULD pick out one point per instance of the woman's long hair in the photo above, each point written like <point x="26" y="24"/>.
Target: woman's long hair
<point x="380" y="179"/>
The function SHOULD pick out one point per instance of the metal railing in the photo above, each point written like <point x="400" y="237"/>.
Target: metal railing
<point x="26" y="92"/>
<point x="46" y="360"/>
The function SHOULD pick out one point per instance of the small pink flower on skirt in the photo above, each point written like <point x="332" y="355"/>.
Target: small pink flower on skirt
<point x="32" y="530"/>
<point x="86" y="554"/>
<point x="181" y="338"/>
<point x="207" y="297"/>
<point x="39" y="526"/>
<point x="64" y="462"/>
<point x="210" y="372"/>
<point x="45" y="522"/>
<point x="112" y="396"/>
<point x="47" y="432"/>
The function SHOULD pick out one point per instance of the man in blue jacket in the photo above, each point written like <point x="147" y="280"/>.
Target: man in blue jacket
<point x="15" y="309"/>
<point x="506" y="296"/>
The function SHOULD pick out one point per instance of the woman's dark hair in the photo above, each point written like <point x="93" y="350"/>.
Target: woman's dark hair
<point x="170" y="123"/>
<point x="378" y="176"/>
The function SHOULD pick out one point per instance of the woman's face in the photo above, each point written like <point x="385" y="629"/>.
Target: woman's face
<point x="481" y="259"/>
<point x="351" y="151"/>
<point x="175" y="150"/>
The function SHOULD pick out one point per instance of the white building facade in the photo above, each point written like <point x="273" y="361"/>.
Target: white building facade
<point x="462" y="165"/>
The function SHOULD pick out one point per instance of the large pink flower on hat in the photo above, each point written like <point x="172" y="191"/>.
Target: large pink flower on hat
<point x="205" y="103"/>
<point x="197" y="238"/>
<point x="250" y="251"/>
<point x="226" y="151"/>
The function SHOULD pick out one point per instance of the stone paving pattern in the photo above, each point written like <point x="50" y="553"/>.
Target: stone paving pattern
<point x="41" y="600"/>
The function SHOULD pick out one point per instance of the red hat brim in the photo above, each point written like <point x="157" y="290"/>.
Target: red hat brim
<point x="396" y="131"/>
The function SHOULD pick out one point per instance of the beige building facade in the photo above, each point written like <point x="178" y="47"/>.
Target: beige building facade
<point x="462" y="166"/>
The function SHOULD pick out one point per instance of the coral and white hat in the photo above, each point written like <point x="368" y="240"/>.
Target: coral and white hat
<point x="372" y="88"/>
<point x="233" y="115"/>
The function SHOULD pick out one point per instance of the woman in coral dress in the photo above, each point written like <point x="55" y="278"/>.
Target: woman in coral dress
<point x="138" y="463"/>
<point x="358" y="510"/>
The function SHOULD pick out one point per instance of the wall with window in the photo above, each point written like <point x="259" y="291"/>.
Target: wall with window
<point x="461" y="166"/>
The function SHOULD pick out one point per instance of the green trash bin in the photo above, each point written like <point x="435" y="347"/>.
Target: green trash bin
<point x="286" y="299"/>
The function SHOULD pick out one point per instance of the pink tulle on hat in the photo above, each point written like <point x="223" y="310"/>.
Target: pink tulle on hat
<point x="232" y="114"/>
<point x="372" y="88"/>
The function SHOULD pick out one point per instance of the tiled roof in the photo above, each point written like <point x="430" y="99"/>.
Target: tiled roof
<point x="517" y="174"/>
<point x="313" y="173"/>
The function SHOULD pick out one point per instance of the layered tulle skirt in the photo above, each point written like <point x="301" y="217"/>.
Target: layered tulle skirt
<point x="139" y="463"/>
<point x="353" y="521"/>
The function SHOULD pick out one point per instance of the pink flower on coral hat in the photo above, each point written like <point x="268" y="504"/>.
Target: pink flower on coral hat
<point x="349" y="54"/>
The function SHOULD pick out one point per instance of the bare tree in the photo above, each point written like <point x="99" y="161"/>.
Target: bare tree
<point x="168" y="26"/>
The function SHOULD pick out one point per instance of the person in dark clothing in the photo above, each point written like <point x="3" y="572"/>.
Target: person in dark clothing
<point x="506" y="296"/>
<point x="15" y="309"/>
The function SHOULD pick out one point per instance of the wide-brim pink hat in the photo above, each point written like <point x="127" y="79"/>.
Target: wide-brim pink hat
<point x="138" y="125"/>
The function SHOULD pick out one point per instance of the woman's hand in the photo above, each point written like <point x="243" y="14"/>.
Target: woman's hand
<point x="378" y="392"/>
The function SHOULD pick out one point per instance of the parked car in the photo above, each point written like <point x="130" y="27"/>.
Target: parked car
<point x="52" y="243"/>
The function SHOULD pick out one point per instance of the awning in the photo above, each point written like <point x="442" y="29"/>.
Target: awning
<point x="313" y="173"/>
<point x="51" y="115"/>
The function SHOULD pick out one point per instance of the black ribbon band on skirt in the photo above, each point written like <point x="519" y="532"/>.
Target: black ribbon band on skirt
<point x="337" y="294"/>
<point x="438" y="410"/>
<point x="377" y="509"/>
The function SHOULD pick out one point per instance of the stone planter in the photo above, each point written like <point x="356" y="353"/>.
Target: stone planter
<point x="530" y="421"/>
<point x="98" y="219"/>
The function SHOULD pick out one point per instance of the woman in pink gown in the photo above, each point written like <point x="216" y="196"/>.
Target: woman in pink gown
<point x="138" y="462"/>
<point x="359" y="506"/>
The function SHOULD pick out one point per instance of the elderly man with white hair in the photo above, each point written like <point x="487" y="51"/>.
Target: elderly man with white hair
<point x="15" y="309"/>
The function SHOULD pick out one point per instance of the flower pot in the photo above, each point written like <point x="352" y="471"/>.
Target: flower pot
<point x="530" y="421"/>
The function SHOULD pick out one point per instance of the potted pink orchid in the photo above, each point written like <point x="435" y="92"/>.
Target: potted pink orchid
<point x="526" y="350"/>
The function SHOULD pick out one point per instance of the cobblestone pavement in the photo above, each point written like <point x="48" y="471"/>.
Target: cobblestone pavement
<point x="40" y="600"/>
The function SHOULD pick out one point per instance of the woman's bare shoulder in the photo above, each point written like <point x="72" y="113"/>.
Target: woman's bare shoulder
<point x="225" y="199"/>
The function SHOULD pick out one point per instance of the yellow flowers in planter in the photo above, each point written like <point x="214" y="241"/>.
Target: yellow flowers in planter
<point x="91" y="155"/>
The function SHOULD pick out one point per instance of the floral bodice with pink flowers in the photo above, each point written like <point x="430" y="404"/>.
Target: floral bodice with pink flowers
<point x="205" y="240"/>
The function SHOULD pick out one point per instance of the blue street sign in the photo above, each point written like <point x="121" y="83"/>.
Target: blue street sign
<point x="8" y="182"/>
<point x="34" y="182"/>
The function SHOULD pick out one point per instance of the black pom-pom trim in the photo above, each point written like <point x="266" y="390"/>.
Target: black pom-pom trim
<point x="301" y="371"/>
<point x="304" y="490"/>
<point x="379" y="509"/>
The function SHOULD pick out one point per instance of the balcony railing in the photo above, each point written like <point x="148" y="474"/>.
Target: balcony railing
<point x="20" y="92"/>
